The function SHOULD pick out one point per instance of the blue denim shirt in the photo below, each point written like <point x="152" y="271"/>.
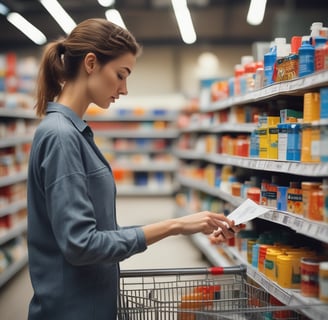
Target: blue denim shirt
<point x="74" y="242"/>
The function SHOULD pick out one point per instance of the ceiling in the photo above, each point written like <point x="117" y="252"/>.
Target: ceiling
<point x="153" y="23"/>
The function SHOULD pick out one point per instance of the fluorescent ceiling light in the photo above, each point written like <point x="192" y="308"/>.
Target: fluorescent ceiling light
<point x="186" y="27"/>
<point x="59" y="14"/>
<point x="256" y="12"/>
<point x="27" y="28"/>
<point x="114" y="16"/>
<point x="106" y="3"/>
<point x="3" y="9"/>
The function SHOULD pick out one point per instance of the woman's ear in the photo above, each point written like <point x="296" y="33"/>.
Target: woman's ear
<point x="90" y="62"/>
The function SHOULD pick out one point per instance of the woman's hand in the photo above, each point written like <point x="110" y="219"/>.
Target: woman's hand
<point x="218" y="236"/>
<point x="206" y="222"/>
<point x="209" y="223"/>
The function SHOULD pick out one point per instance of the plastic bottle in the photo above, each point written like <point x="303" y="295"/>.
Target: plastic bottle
<point x="306" y="58"/>
<point x="269" y="61"/>
<point x="249" y="69"/>
<point x="315" y="31"/>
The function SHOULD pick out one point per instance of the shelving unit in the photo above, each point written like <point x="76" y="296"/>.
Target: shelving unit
<point x="297" y="223"/>
<point x="139" y="147"/>
<point x="18" y="124"/>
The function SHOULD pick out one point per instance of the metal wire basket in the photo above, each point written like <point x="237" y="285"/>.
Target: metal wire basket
<point x="196" y="294"/>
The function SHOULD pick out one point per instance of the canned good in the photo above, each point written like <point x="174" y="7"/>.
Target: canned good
<point x="310" y="277"/>
<point x="285" y="271"/>
<point x="316" y="205"/>
<point x="307" y="188"/>
<point x="270" y="263"/>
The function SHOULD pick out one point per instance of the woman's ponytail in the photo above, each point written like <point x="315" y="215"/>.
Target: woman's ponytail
<point x="51" y="75"/>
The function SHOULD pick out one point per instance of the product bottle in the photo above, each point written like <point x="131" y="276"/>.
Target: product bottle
<point x="306" y="58"/>
<point x="269" y="61"/>
<point x="247" y="78"/>
<point x="315" y="31"/>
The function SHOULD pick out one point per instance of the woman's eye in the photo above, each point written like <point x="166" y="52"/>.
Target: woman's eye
<point x="120" y="76"/>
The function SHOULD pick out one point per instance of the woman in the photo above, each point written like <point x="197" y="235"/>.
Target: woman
<point x="74" y="241"/>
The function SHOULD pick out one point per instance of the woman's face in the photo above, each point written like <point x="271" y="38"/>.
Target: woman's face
<point x="106" y="83"/>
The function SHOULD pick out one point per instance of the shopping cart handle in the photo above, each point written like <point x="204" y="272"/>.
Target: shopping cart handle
<point x="239" y="269"/>
<point x="227" y="270"/>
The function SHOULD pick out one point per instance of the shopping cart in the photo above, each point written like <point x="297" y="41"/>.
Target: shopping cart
<point x="196" y="294"/>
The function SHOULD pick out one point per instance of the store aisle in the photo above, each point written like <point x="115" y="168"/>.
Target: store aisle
<point x="171" y="252"/>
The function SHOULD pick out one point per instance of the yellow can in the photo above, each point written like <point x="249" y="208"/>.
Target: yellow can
<point x="270" y="263"/>
<point x="285" y="270"/>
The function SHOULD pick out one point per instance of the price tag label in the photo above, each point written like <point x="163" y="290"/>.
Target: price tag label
<point x="298" y="224"/>
<point x="286" y="220"/>
<point x="282" y="295"/>
<point x="322" y="232"/>
<point x="276" y="216"/>
<point x="261" y="164"/>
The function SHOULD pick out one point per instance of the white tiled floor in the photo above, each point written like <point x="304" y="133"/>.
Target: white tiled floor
<point x="171" y="252"/>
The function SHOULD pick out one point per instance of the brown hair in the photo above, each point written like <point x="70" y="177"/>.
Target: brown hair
<point x="61" y="59"/>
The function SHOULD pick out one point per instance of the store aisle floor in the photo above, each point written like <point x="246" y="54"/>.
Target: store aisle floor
<point x="171" y="252"/>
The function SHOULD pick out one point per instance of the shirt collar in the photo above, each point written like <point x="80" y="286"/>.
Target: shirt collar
<point x="68" y="113"/>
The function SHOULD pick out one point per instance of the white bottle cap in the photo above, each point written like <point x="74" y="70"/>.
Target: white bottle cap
<point x="316" y="25"/>
<point x="279" y="41"/>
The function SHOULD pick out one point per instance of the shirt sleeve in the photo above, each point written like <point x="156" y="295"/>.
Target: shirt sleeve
<point x="71" y="212"/>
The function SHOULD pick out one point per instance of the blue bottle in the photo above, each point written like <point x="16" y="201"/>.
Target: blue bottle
<point x="306" y="59"/>
<point x="269" y="62"/>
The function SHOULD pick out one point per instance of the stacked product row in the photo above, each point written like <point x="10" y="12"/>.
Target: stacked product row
<point x="17" y="126"/>
<point x="291" y="261"/>
<point x="304" y="55"/>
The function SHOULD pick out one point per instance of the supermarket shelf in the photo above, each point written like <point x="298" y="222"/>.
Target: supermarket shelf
<point x="135" y="150"/>
<point x="202" y="186"/>
<point x="13" y="141"/>
<point x="129" y="190"/>
<point x="165" y="134"/>
<point x="12" y="270"/>
<point x="221" y="127"/>
<point x="13" y="207"/>
<point x="14" y="178"/>
<point x="292" y="87"/>
<point x="317" y="310"/>
<point x="131" y="118"/>
<point x="15" y="231"/>
<point x="149" y="167"/>
<point x="17" y="113"/>
<point x="297" y="168"/>
<point x="314" y="229"/>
